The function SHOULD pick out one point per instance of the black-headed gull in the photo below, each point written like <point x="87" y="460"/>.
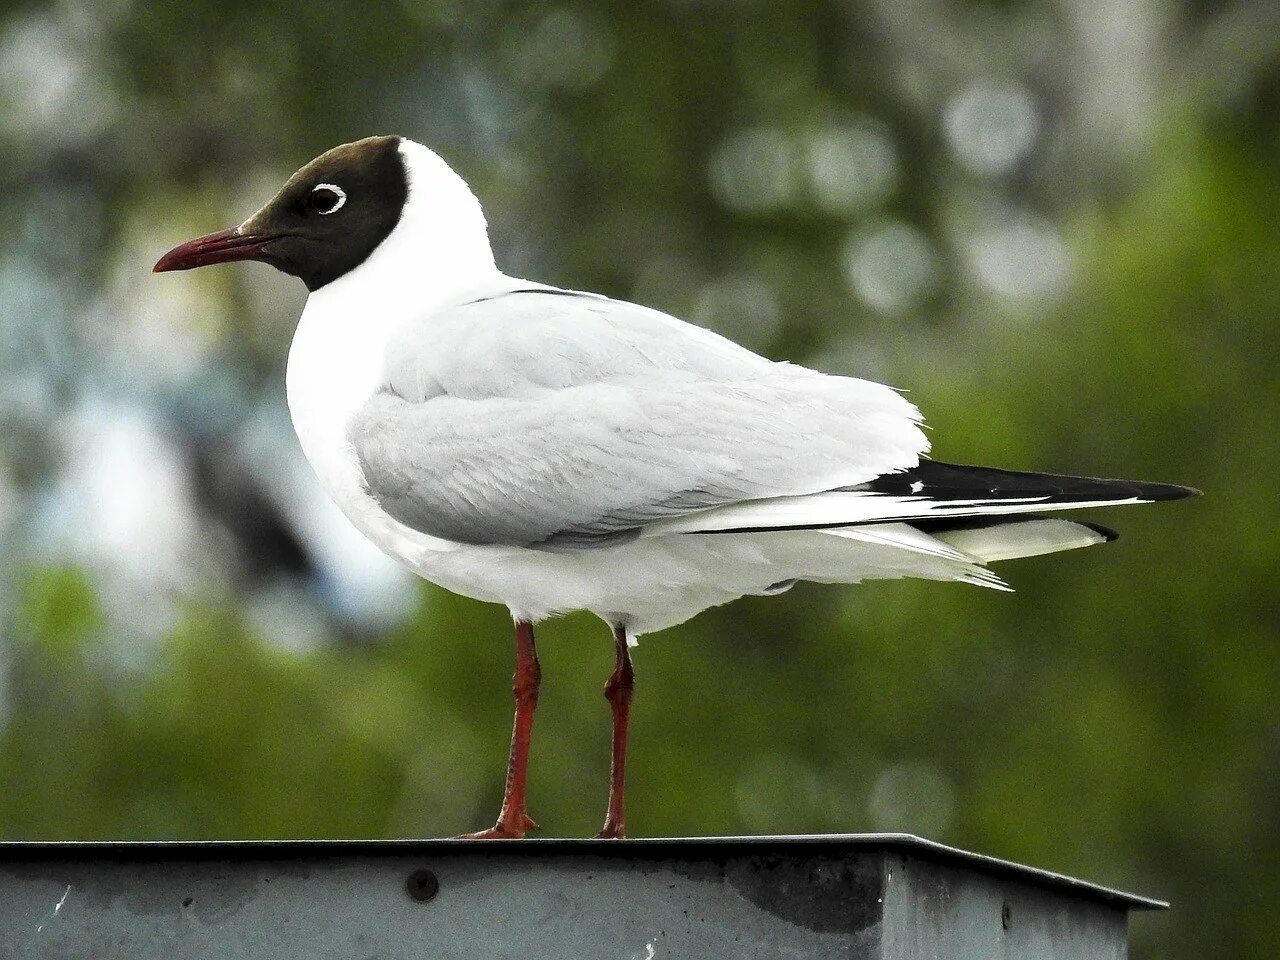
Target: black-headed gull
<point x="552" y="450"/>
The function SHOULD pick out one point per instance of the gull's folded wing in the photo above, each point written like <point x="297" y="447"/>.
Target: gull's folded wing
<point x="539" y="417"/>
<point x="931" y="496"/>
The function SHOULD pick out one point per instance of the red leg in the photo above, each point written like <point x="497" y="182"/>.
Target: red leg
<point x="513" y="821"/>
<point x="617" y="691"/>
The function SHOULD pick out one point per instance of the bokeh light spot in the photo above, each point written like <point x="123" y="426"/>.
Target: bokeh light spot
<point x="755" y="170"/>
<point x="892" y="266"/>
<point x="991" y="127"/>
<point x="1023" y="257"/>
<point x="852" y="167"/>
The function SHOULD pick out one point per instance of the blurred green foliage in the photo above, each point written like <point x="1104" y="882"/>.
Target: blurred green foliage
<point x="1115" y="718"/>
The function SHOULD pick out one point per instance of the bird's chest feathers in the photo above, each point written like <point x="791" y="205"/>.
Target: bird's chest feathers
<point x="335" y="365"/>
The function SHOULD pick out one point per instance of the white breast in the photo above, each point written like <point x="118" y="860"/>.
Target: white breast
<point x="332" y="372"/>
<point x="336" y="363"/>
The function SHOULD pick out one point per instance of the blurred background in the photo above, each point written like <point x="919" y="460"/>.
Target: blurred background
<point x="1057" y="223"/>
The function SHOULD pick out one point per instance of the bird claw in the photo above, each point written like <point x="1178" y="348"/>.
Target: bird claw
<point x="503" y="831"/>
<point x="496" y="832"/>
<point x="612" y="831"/>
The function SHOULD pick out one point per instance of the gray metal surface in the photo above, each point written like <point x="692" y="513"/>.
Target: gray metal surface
<point x="862" y="896"/>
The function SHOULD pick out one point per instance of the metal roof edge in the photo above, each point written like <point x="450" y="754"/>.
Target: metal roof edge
<point x="905" y="843"/>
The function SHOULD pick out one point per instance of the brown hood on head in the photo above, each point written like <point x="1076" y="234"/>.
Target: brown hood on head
<point x="325" y="221"/>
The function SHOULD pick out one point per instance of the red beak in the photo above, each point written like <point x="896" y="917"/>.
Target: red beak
<point x="221" y="247"/>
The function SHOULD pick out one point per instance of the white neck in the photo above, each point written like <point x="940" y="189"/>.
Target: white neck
<point x="437" y="254"/>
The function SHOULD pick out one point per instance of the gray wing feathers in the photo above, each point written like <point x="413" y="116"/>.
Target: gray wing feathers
<point x="556" y="437"/>
<point x="517" y="344"/>
<point x="588" y="462"/>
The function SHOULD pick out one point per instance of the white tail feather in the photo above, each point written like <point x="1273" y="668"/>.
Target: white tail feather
<point x="849" y="508"/>
<point x="1021" y="538"/>
<point x="963" y="566"/>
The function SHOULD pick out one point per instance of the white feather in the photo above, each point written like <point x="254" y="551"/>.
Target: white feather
<point x="1022" y="538"/>
<point x="835" y="509"/>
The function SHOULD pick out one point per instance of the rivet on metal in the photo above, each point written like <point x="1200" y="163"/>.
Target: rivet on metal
<point x="422" y="885"/>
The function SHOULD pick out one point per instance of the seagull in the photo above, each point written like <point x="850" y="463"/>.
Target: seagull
<point x="553" y="450"/>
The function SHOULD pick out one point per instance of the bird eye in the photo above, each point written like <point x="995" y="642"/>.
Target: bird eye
<point x="327" y="198"/>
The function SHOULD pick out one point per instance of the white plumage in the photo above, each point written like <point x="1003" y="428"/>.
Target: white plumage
<point x="554" y="451"/>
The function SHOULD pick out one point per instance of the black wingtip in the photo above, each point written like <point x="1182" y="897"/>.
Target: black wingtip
<point x="940" y="481"/>
<point x="1107" y="534"/>
<point x="1156" y="492"/>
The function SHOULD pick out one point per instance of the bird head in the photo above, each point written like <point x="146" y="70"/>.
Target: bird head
<point x="332" y="215"/>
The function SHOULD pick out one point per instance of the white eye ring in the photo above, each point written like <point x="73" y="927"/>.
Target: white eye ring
<point x="337" y="191"/>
